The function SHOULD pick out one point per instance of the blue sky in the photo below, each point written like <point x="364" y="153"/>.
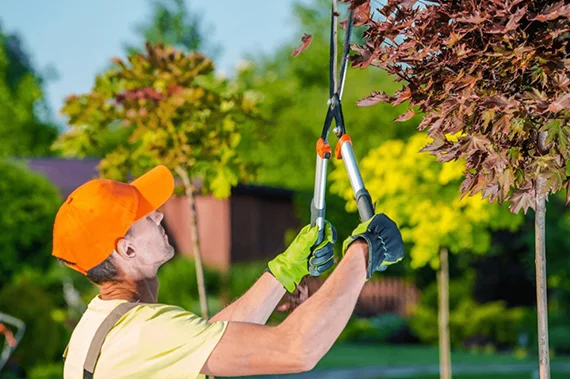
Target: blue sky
<point x="78" y="37"/>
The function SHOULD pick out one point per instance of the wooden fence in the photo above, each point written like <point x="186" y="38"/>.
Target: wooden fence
<point x="386" y="295"/>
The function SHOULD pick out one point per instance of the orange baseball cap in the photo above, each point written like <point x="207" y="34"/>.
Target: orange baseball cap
<point x="100" y="212"/>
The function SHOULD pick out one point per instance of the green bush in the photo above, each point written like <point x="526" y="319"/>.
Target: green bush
<point x="378" y="329"/>
<point x="559" y="336"/>
<point x="178" y="285"/>
<point x="29" y="203"/>
<point x="49" y="371"/>
<point x="242" y="276"/>
<point x="469" y="322"/>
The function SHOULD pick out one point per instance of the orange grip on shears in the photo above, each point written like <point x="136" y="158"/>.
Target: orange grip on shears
<point x="323" y="149"/>
<point x="341" y="141"/>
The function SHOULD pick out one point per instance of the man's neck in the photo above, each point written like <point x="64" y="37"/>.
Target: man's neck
<point x="145" y="290"/>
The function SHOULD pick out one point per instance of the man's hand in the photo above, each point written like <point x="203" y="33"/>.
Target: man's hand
<point x="385" y="245"/>
<point x="302" y="257"/>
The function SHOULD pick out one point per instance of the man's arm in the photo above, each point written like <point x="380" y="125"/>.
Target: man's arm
<point x="288" y="268"/>
<point x="257" y="304"/>
<point x="299" y="342"/>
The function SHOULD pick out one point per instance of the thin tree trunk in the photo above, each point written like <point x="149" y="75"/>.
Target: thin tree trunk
<point x="541" y="297"/>
<point x="444" y="348"/>
<point x="189" y="189"/>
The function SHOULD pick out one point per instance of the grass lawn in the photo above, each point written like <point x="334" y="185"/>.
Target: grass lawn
<point x="554" y="375"/>
<point x="344" y="355"/>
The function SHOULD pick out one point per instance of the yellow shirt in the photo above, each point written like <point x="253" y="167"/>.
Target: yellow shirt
<point x="151" y="341"/>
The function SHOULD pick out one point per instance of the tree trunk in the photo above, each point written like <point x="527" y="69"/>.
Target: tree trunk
<point x="189" y="189"/>
<point x="444" y="348"/>
<point x="541" y="297"/>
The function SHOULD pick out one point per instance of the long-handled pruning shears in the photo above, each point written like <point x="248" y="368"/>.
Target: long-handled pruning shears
<point x="343" y="148"/>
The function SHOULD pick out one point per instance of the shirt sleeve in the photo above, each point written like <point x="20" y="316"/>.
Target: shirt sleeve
<point x="174" y="342"/>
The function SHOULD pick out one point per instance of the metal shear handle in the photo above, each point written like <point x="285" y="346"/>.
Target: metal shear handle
<point x="344" y="146"/>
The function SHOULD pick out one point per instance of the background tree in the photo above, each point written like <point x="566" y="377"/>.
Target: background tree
<point x="178" y="114"/>
<point x="496" y="71"/>
<point x="22" y="131"/>
<point x="172" y="23"/>
<point x="422" y="198"/>
<point x="29" y="202"/>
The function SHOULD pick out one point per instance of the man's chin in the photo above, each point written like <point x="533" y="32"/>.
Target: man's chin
<point x="170" y="254"/>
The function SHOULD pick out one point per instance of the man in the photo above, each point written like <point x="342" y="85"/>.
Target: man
<point x="111" y="232"/>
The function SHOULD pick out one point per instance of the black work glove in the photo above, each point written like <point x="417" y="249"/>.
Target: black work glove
<point x="385" y="245"/>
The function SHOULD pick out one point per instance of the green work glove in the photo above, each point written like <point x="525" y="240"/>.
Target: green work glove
<point x="385" y="245"/>
<point x="303" y="257"/>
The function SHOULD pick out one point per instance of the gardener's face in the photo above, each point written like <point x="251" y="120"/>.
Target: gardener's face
<point x="147" y="244"/>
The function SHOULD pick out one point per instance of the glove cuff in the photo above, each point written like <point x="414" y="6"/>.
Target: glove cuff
<point x="283" y="274"/>
<point x="376" y="251"/>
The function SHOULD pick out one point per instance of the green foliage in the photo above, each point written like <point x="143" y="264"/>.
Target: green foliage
<point x="178" y="284"/>
<point x="178" y="113"/>
<point x="48" y="371"/>
<point x="378" y="329"/>
<point x="496" y="72"/>
<point x="36" y="307"/>
<point x="559" y="338"/>
<point x="21" y="131"/>
<point x="242" y="275"/>
<point x="421" y="196"/>
<point x="173" y="23"/>
<point x="469" y="321"/>
<point x="29" y="203"/>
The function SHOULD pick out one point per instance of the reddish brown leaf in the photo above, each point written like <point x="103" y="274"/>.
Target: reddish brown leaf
<point x="471" y="19"/>
<point x="401" y="96"/>
<point x="406" y="116"/>
<point x="554" y="11"/>
<point x="306" y="41"/>
<point x="373" y="99"/>
<point x="521" y="200"/>
<point x="514" y="20"/>
<point x="563" y="102"/>
<point x="361" y="13"/>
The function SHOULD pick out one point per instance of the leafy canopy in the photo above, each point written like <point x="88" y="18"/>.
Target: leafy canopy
<point x="174" y="112"/>
<point x="22" y="132"/>
<point x="421" y="196"/>
<point x="494" y="71"/>
<point x="29" y="204"/>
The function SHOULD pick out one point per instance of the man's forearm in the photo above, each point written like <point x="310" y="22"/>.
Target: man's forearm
<point x="257" y="304"/>
<point x="319" y="321"/>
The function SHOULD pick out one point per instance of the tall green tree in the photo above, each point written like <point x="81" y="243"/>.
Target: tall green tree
<point x="176" y="113"/>
<point x="173" y="23"/>
<point x="22" y="130"/>
<point x="421" y="196"/>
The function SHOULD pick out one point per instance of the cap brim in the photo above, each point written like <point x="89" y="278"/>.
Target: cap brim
<point x="155" y="188"/>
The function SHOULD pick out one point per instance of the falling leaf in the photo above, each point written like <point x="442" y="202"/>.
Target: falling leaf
<point x="306" y="41"/>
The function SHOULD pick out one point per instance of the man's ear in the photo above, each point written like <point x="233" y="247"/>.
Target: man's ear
<point x="126" y="249"/>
